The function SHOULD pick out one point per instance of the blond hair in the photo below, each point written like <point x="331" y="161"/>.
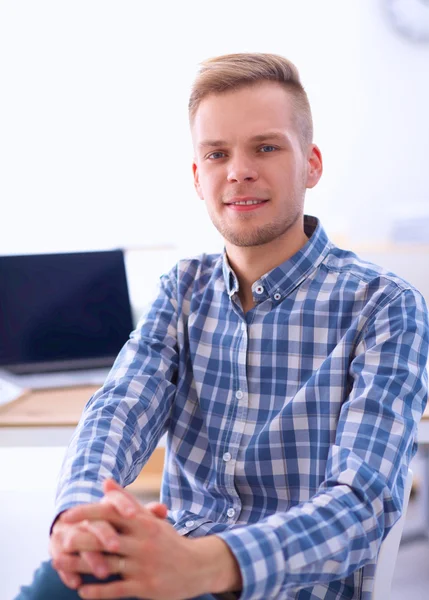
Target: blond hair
<point x="234" y="71"/>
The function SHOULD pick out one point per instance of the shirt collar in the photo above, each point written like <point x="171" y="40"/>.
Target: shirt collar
<point x="281" y="280"/>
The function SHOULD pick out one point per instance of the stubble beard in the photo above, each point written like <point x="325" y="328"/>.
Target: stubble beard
<point x="256" y="236"/>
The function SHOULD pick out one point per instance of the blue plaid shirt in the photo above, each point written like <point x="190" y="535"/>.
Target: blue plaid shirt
<point x="289" y="429"/>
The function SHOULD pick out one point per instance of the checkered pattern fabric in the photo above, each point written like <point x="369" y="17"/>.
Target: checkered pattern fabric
<point x="289" y="428"/>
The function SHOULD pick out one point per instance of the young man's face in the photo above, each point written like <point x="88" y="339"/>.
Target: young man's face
<point x="247" y="150"/>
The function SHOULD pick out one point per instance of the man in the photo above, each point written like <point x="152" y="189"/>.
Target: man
<point x="288" y="374"/>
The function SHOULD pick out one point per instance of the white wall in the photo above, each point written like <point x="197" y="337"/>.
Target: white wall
<point x="94" y="144"/>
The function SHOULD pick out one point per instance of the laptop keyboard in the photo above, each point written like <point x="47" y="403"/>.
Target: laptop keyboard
<point x="61" y="379"/>
<point x="9" y="391"/>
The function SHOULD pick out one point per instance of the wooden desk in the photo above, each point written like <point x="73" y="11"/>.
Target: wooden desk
<point x="61" y="408"/>
<point x="49" y="418"/>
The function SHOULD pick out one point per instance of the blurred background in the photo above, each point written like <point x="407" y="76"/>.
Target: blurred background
<point x="95" y="151"/>
<point x="94" y="142"/>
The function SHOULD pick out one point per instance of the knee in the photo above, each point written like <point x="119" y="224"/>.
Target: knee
<point x="47" y="584"/>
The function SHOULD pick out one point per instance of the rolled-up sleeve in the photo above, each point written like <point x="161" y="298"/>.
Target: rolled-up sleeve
<point x="340" y="529"/>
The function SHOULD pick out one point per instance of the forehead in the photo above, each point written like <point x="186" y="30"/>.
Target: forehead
<point x="245" y="112"/>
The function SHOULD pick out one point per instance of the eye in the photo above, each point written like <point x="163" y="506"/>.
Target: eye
<point x="267" y="148"/>
<point x="216" y="155"/>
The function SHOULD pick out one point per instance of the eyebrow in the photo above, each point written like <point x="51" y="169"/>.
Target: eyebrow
<point x="262" y="137"/>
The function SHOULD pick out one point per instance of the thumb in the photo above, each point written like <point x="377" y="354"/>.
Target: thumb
<point x="126" y="504"/>
<point x="110" y="485"/>
<point x="157" y="509"/>
<point x="117" y="496"/>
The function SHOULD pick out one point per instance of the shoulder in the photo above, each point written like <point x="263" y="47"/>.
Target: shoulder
<point x="350" y="269"/>
<point x="193" y="273"/>
<point x="373" y="291"/>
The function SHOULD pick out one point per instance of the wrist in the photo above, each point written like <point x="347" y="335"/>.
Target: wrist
<point x="217" y="567"/>
<point x="55" y="521"/>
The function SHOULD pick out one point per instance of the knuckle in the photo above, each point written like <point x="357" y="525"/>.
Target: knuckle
<point x="153" y="583"/>
<point x="69" y="561"/>
<point x="91" y="562"/>
<point x="98" y="529"/>
<point x="66" y="579"/>
<point x="57" y="531"/>
<point x="72" y="539"/>
<point x="92" y="558"/>
<point x="54" y="552"/>
<point x="109" y="529"/>
<point x="61" y="563"/>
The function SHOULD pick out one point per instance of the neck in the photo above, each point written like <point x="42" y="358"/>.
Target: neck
<point x="251" y="262"/>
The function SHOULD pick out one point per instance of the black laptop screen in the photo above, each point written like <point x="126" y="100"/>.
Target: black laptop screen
<point x="63" y="307"/>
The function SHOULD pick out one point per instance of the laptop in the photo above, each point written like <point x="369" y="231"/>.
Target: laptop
<point x="63" y="317"/>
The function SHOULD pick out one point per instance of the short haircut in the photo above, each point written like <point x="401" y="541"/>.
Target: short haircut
<point x="232" y="72"/>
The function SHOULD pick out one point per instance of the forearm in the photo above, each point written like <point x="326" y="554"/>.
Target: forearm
<point x="124" y="420"/>
<point x="107" y="442"/>
<point x="325" y="539"/>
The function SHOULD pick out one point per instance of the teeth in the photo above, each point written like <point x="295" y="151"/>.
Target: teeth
<point x="247" y="202"/>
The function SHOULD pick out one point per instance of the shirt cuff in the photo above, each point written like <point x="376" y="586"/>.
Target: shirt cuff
<point x="258" y="552"/>
<point x="78" y="492"/>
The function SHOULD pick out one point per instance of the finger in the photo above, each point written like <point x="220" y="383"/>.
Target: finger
<point x="57" y="534"/>
<point x="126" y="504"/>
<point x="104" y="532"/>
<point x="58" y="537"/>
<point x="97" y="563"/>
<point x="71" y="580"/>
<point x="71" y="564"/>
<point x="122" y="501"/>
<point x="117" y="589"/>
<point x="78" y="540"/>
<point x="110" y="485"/>
<point x="157" y="509"/>
<point x="90" y="512"/>
<point x="75" y="563"/>
<point x="53" y="547"/>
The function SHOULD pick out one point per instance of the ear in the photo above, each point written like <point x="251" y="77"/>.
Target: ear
<point x="197" y="180"/>
<point x="315" y="166"/>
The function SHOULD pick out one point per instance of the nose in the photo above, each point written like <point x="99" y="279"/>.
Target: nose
<point x="241" y="169"/>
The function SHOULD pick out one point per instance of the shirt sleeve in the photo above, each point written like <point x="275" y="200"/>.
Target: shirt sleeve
<point x="124" y="420"/>
<point x="340" y="529"/>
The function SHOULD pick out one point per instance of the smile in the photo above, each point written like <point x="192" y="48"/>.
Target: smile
<point x="247" y="202"/>
<point x="246" y="205"/>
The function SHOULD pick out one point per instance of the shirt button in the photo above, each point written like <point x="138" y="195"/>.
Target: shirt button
<point x="189" y="523"/>
<point x="259" y="289"/>
<point x="227" y="457"/>
<point x="277" y="296"/>
<point x="243" y="327"/>
<point x="239" y="394"/>
<point x="230" y="512"/>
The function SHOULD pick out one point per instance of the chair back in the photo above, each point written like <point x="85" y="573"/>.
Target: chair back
<point x="386" y="560"/>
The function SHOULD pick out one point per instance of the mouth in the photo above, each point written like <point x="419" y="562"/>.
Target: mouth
<point x="245" y="204"/>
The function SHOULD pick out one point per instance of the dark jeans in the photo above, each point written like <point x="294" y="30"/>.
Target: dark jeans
<point x="48" y="586"/>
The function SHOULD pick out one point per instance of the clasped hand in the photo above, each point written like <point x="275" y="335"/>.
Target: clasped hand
<point x="119" y="535"/>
